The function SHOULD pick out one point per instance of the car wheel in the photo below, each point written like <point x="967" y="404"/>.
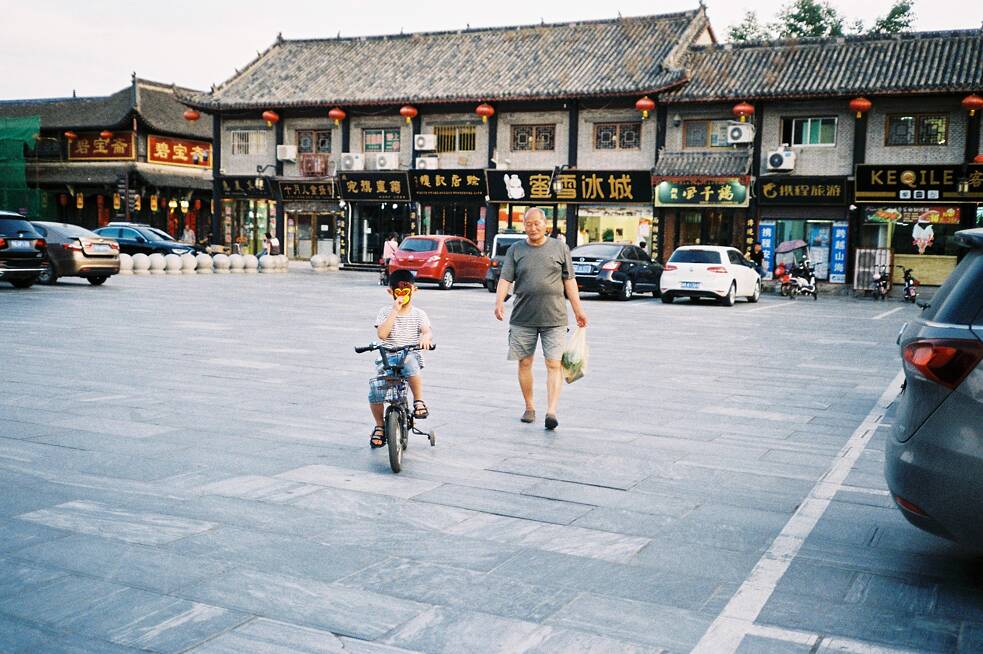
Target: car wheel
<point x="626" y="290"/>
<point x="754" y="297"/>
<point x="491" y="286"/>
<point x="97" y="281"/>
<point x="23" y="283"/>
<point x="728" y="300"/>
<point x="49" y="276"/>
<point x="667" y="299"/>
<point x="447" y="280"/>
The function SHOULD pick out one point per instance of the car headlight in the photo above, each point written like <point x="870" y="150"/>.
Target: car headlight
<point x="180" y="250"/>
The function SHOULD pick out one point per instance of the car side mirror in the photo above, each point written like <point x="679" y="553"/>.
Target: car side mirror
<point x="141" y="239"/>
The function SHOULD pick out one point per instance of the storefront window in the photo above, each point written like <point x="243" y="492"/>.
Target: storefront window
<point x="815" y="234"/>
<point x="628" y="224"/>
<point x="510" y="217"/>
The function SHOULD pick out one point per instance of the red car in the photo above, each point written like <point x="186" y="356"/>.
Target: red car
<point x="445" y="260"/>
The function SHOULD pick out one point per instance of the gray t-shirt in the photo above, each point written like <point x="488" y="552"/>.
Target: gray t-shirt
<point x="538" y="273"/>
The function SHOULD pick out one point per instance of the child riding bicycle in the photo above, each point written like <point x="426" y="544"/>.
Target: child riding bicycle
<point x="398" y="325"/>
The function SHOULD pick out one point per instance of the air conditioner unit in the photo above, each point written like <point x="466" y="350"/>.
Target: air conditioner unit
<point x="352" y="161"/>
<point x="425" y="141"/>
<point x="427" y="163"/>
<point x="383" y="161"/>
<point x="783" y="159"/>
<point x="286" y="152"/>
<point x="740" y="134"/>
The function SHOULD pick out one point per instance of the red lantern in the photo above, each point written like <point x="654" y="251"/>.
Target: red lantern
<point x="63" y="199"/>
<point x="106" y="134"/>
<point x="742" y="110"/>
<point x="191" y="115"/>
<point x="485" y="110"/>
<point x="645" y="105"/>
<point x="337" y="115"/>
<point x="197" y="203"/>
<point x="978" y="159"/>
<point x="271" y="117"/>
<point x="408" y="112"/>
<point x="860" y="106"/>
<point x="71" y="136"/>
<point x="972" y="103"/>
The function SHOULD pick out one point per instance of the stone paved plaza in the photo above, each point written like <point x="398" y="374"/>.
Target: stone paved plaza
<point x="184" y="467"/>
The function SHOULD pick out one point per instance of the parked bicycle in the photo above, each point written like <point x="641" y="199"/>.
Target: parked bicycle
<point x="398" y="418"/>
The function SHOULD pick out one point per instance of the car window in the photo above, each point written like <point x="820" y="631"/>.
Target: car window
<point x="959" y="299"/>
<point x="641" y="255"/>
<point x="735" y="258"/>
<point x="40" y="229"/>
<point x="454" y="246"/>
<point x="695" y="256"/>
<point x="131" y="234"/>
<point x="74" y="231"/>
<point x="598" y="250"/>
<point x="161" y="234"/>
<point x="418" y="245"/>
<point x="470" y="249"/>
<point x="108" y="232"/>
<point x="14" y="226"/>
<point x="502" y="245"/>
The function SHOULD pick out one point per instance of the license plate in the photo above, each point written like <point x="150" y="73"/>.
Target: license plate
<point x="581" y="269"/>
<point x="101" y="247"/>
<point x="19" y="244"/>
<point x="691" y="284"/>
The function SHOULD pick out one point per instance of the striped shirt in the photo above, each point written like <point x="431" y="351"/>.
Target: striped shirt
<point x="407" y="328"/>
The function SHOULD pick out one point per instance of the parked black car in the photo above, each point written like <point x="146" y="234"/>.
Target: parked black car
<point x="615" y="270"/>
<point x="500" y="245"/>
<point x="142" y="239"/>
<point x="22" y="251"/>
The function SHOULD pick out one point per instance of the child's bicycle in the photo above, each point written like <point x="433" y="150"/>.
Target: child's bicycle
<point x="398" y="419"/>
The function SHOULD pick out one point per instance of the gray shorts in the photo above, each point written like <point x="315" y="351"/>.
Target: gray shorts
<point x="522" y="341"/>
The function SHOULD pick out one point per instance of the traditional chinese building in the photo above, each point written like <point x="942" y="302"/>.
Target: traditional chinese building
<point x="132" y="155"/>
<point x="408" y="125"/>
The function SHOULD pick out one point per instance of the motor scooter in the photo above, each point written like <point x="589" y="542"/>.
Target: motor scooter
<point x="802" y="280"/>
<point x="782" y="275"/>
<point x="882" y="283"/>
<point x="910" y="285"/>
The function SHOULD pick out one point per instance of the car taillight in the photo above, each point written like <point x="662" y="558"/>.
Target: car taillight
<point x="3" y="243"/>
<point x="72" y="246"/>
<point x="39" y="244"/>
<point x="716" y="269"/>
<point x="945" y="361"/>
<point x="494" y="264"/>
<point x="669" y="266"/>
<point x="611" y="265"/>
<point x="435" y="257"/>
<point x="114" y="245"/>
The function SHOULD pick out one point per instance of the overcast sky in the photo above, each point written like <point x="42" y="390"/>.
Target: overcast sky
<point x="51" y="48"/>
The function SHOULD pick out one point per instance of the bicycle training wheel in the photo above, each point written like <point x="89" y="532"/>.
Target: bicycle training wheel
<point x="394" y="436"/>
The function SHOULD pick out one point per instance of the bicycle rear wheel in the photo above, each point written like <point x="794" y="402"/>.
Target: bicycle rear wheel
<point x="395" y="437"/>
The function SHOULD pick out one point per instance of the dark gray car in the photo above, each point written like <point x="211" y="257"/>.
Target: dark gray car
<point x="934" y="459"/>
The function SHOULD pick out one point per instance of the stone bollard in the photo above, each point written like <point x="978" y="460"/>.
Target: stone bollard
<point x="125" y="264"/>
<point x="157" y="264"/>
<point x="267" y="264"/>
<point x="203" y="264"/>
<point x="318" y="263"/>
<point x="221" y="262"/>
<point x="250" y="264"/>
<point x="172" y="264"/>
<point x="334" y="261"/>
<point x="283" y="263"/>
<point x="236" y="264"/>
<point x="188" y="263"/>
<point x="141" y="264"/>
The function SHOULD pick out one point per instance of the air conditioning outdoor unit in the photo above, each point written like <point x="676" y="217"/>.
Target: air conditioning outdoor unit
<point x="783" y="159"/>
<point x="740" y="134"/>
<point x="427" y="163"/>
<point x="352" y="161"/>
<point x="384" y="161"/>
<point x="425" y="141"/>
<point x="286" y="152"/>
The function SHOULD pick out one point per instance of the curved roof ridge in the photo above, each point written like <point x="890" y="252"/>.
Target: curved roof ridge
<point x="836" y="40"/>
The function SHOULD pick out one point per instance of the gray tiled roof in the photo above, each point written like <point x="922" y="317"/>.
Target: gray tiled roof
<point x="606" y="57"/>
<point x="929" y="62"/>
<point x="106" y="172"/>
<point x="728" y="163"/>
<point x="155" y="103"/>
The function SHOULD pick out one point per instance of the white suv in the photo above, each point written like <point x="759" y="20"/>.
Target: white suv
<point x="709" y="271"/>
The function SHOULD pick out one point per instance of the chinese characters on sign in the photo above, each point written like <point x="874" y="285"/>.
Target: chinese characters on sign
<point x="802" y="190"/>
<point x="918" y="183"/>
<point x="766" y="236"/>
<point x="837" y="266"/>
<point x="702" y="192"/>
<point x="374" y="186"/>
<point x="447" y="185"/>
<point x="178" y="152"/>
<point x="307" y="190"/>
<point x="574" y="186"/>
<point x="120" y="146"/>
<point x="244" y="186"/>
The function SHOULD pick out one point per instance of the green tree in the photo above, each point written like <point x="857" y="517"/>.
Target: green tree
<point x="898" y="19"/>
<point x="749" y="29"/>
<point x="804" y="18"/>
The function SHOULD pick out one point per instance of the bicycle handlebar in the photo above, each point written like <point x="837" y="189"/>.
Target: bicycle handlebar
<point x="391" y="350"/>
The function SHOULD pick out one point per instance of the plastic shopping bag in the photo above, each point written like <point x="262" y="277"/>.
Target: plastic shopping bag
<point x="575" y="354"/>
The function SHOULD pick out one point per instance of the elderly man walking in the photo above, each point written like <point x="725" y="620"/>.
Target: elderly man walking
<point x="542" y="272"/>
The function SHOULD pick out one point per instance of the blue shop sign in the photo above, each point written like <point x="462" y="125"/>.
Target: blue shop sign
<point x="766" y="236"/>
<point x="837" y="264"/>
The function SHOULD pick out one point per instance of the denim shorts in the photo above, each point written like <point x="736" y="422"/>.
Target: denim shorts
<point x="412" y="365"/>
<point x="522" y="341"/>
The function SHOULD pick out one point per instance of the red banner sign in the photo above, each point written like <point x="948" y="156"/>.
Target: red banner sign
<point x="93" y="147"/>
<point x="179" y="152"/>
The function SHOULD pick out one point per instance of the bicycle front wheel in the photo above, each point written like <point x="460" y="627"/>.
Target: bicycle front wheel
<point x="394" y="437"/>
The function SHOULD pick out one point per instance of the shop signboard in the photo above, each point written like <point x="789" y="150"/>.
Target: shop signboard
<point x="461" y="185"/>
<point x="766" y="236"/>
<point x="120" y="146"/>
<point x="576" y="186"/>
<point x="245" y="186"/>
<point x="796" y="190"/>
<point x="913" y="214"/>
<point x="837" y="266"/>
<point x="306" y="189"/>
<point x="921" y="184"/>
<point x="169" y="151"/>
<point x="374" y="186"/>
<point x="702" y="191"/>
